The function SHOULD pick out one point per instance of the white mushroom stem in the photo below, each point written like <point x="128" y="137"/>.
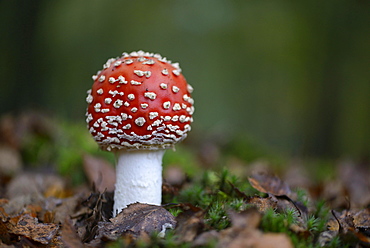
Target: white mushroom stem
<point x="138" y="178"/>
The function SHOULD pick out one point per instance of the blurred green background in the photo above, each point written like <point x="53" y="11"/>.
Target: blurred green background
<point x="291" y="75"/>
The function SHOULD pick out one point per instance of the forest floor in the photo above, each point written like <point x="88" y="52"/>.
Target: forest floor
<point x="56" y="190"/>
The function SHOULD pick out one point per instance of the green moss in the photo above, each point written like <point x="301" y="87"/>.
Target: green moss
<point x="216" y="216"/>
<point x="195" y="195"/>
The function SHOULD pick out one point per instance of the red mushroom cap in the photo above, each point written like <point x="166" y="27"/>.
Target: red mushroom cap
<point x="139" y="101"/>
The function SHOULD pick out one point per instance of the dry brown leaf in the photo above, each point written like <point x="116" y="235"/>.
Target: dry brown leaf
<point x="3" y="201"/>
<point x="169" y="190"/>
<point x="65" y="208"/>
<point x="205" y="239"/>
<point x="30" y="227"/>
<point x="352" y="226"/>
<point x="189" y="228"/>
<point x="189" y="222"/>
<point x="18" y="204"/>
<point x="4" y="234"/>
<point x="257" y="239"/>
<point x="138" y="219"/>
<point x="238" y="192"/>
<point x="361" y="222"/>
<point x="89" y="215"/>
<point x="35" y="184"/>
<point x="33" y="210"/>
<point x="247" y="219"/>
<point x="252" y="239"/>
<point x="2" y="245"/>
<point x="244" y="233"/>
<point x="57" y="190"/>
<point x="3" y="214"/>
<point x="48" y="217"/>
<point x="355" y="179"/>
<point x="270" y="184"/>
<point x="100" y="173"/>
<point x="334" y="194"/>
<point x="361" y="219"/>
<point x="263" y="204"/>
<point x="342" y="222"/>
<point x="273" y="240"/>
<point x="69" y="235"/>
<point x="188" y="209"/>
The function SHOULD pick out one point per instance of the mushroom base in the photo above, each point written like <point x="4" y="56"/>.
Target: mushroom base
<point x="138" y="178"/>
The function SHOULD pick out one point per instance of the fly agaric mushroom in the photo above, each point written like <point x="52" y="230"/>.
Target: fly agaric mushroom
<point x="140" y="104"/>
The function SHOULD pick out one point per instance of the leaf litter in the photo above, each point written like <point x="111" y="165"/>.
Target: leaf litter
<point x="41" y="208"/>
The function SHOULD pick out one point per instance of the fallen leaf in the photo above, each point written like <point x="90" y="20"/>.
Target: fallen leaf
<point x="30" y="227"/>
<point x="351" y="226"/>
<point x="138" y="219"/>
<point x="90" y="214"/>
<point x="48" y="217"/>
<point x="273" y="240"/>
<point x="274" y="186"/>
<point x="3" y="214"/>
<point x="69" y="235"/>
<point x="16" y="205"/>
<point x="341" y="222"/>
<point x="33" y="210"/>
<point x="189" y="222"/>
<point x="2" y="245"/>
<point x="190" y="227"/>
<point x="361" y="219"/>
<point x="4" y="234"/>
<point x="326" y="237"/>
<point x="270" y="184"/>
<point x="36" y="184"/>
<point x="247" y="219"/>
<point x="237" y="191"/>
<point x="355" y="180"/>
<point x="244" y="233"/>
<point x="335" y="194"/>
<point x="263" y="203"/>
<point x="206" y="239"/>
<point x="361" y="222"/>
<point x="168" y="190"/>
<point x="65" y="208"/>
